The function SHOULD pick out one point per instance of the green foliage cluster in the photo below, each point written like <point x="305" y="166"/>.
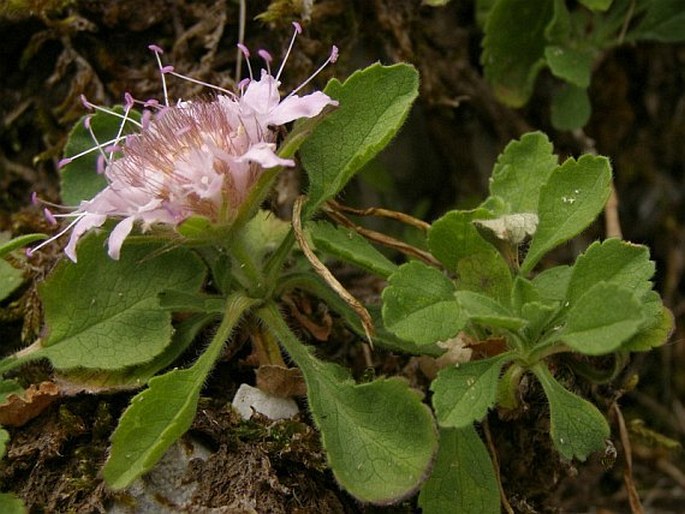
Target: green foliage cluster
<point x="523" y="37"/>
<point x="109" y="323"/>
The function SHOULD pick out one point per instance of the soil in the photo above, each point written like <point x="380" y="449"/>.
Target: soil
<point x="55" y="50"/>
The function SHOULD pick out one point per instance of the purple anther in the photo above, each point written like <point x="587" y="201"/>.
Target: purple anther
<point x="85" y="102"/>
<point x="152" y="102"/>
<point x="334" y="54"/>
<point x="34" y="198"/>
<point x="113" y="148"/>
<point x="243" y="83"/>
<point x="28" y="252"/>
<point x="244" y="50"/>
<point x="167" y="69"/>
<point x="63" y="162"/>
<point x="128" y="99"/>
<point x="86" y="122"/>
<point x="49" y="216"/>
<point x="100" y="164"/>
<point x="156" y="49"/>
<point x="298" y="27"/>
<point x="266" y="56"/>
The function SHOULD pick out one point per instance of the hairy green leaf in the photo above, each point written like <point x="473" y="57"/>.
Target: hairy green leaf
<point x="10" y="279"/>
<point x="577" y="427"/>
<point x="615" y="261"/>
<point x="570" y="200"/>
<point x="571" y="107"/>
<point x="521" y="170"/>
<point x="573" y="65"/>
<point x="602" y="319"/>
<point x="463" y="478"/>
<point x="419" y="305"/>
<point x="349" y="246"/>
<point x="486" y="311"/>
<point x="513" y="47"/>
<point x="161" y="414"/>
<point x="370" y="457"/>
<point x="105" y="314"/>
<point x="6" y="247"/>
<point x="454" y="236"/>
<point x="464" y="393"/>
<point x="552" y="283"/>
<point x="374" y="103"/>
<point x="654" y="334"/>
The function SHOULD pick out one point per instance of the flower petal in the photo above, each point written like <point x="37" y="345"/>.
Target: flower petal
<point x="117" y="236"/>
<point x="264" y="155"/>
<point x="86" y="222"/>
<point x="294" y="107"/>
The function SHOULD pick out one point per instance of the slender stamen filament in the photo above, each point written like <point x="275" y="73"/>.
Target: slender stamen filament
<point x="77" y="218"/>
<point x="97" y="147"/>
<point x="109" y="111"/>
<point x="202" y="83"/>
<point x="158" y="51"/>
<point x="246" y="53"/>
<point x="331" y="59"/>
<point x="298" y="30"/>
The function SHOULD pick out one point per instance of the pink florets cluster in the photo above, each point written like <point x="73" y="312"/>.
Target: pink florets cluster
<point x="195" y="158"/>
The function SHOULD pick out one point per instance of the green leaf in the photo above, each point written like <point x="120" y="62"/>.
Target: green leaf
<point x="486" y="311"/>
<point x="4" y="439"/>
<point x="513" y="47"/>
<point x="552" y="283"/>
<point x="602" y="319"/>
<point x="79" y="179"/>
<point x="419" y="305"/>
<point x="454" y="237"/>
<point x="161" y="414"/>
<point x="8" y="387"/>
<point x="577" y="427"/>
<point x="133" y="377"/>
<point x="10" y="504"/>
<point x="464" y="393"/>
<point x="374" y="103"/>
<point x="597" y="5"/>
<point x="571" y="107"/>
<point x="570" y="200"/>
<point x="664" y="21"/>
<point x="614" y="261"/>
<point x="10" y="279"/>
<point x="456" y="242"/>
<point x="486" y="273"/>
<point x="105" y="314"/>
<point x="18" y="242"/>
<point x="370" y="457"/>
<point x="572" y="65"/>
<point x="521" y="170"/>
<point x="653" y="335"/>
<point x="349" y="246"/>
<point x="463" y="478"/>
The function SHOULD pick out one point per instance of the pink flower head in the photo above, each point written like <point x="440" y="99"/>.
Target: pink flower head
<point x="195" y="158"/>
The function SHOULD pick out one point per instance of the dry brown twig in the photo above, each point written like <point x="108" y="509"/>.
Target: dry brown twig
<point x="324" y="272"/>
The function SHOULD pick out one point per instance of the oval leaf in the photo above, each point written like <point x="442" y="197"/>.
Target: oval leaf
<point x="105" y="314"/>
<point x="374" y="103"/>
<point x="570" y="200"/>
<point x="419" y="305"/>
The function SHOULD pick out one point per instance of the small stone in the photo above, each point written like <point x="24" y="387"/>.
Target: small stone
<point x="249" y="400"/>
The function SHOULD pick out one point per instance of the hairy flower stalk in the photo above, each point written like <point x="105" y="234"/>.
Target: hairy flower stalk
<point x="194" y="158"/>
